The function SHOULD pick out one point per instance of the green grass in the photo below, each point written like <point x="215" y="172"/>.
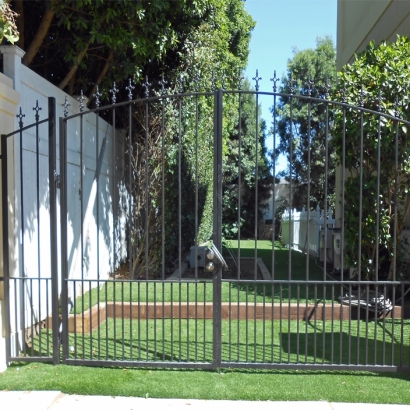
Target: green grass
<point x="227" y="384"/>
<point x="150" y="291"/>
<point x="385" y="342"/>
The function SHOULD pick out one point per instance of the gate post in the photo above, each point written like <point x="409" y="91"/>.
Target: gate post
<point x="217" y="227"/>
<point x="6" y="250"/>
<point x="63" y="233"/>
<point x="52" y="173"/>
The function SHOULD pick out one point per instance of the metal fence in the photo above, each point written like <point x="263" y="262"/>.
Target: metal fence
<point x="163" y="289"/>
<point x="30" y="248"/>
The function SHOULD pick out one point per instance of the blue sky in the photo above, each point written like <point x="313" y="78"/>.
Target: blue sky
<point x="281" y="26"/>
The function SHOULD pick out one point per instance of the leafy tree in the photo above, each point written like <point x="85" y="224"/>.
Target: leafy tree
<point x="8" y="28"/>
<point x="246" y="150"/>
<point x="309" y="69"/>
<point x="378" y="77"/>
<point x="79" y="44"/>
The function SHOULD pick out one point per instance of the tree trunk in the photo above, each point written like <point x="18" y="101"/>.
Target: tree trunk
<point x="103" y="73"/>
<point x="40" y="36"/>
<point x="19" y="9"/>
<point x="74" y="68"/>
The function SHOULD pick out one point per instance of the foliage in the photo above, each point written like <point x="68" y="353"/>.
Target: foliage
<point x="379" y="72"/>
<point x="310" y="69"/>
<point x="8" y="28"/>
<point x="134" y="37"/>
<point x="246" y="153"/>
<point x="218" y="46"/>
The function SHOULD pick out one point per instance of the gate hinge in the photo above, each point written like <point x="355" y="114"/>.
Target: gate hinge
<point x="57" y="179"/>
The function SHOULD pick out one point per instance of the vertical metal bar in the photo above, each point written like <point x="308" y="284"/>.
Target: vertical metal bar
<point x="217" y="227"/>
<point x="130" y="196"/>
<point x="22" y="282"/>
<point x="52" y="172"/>
<point x="256" y="185"/>
<point x="37" y="117"/>
<point x="196" y="242"/>
<point x="325" y="210"/>
<point x="360" y="199"/>
<point x="290" y="193"/>
<point x="64" y="232"/>
<point x="97" y="194"/>
<point x="82" y="205"/>
<point x="179" y="188"/>
<point x="114" y="197"/>
<point x="163" y="194"/>
<point x="273" y="189"/>
<point x="6" y="249"/>
<point x="147" y="191"/>
<point x="307" y="250"/>
<point x="239" y="183"/>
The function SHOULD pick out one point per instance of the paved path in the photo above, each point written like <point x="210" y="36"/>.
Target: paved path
<point x="55" y="400"/>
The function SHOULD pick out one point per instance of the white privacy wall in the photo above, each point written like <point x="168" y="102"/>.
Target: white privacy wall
<point x="31" y="88"/>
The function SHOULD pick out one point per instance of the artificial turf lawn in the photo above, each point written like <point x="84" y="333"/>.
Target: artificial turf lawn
<point x="226" y="384"/>
<point x="158" y="291"/>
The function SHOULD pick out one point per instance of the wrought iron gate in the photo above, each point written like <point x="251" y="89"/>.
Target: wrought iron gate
<point x="143" y="277"/>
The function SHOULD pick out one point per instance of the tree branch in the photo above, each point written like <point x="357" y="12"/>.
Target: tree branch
<point x="74" y="68"/>
<point x="103" y="73"/>
<point x="40" y="36"/>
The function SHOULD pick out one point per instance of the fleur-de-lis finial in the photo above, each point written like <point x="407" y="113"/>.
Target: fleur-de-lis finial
<point x="213" y="81"/>
<point x="257" y="79"/>
<point x="310" y="85"/>
<point x="163" y="82"/>
<point x="327" y="88"/>
<point x="66" y="105"/>
<point x="81" y="100"/>
<point x="240" y="79"/>
<point x="180" y="87"/>
<point x="223" y="78"/>
<point x="397" y="105"/>
<point x="97" y="96"/>
<point x="362" y="94"/>
<point x="274" y="79"/>
<point x="343" y="93"/>
<point x="197" y="81"/>
<point x="129" y="88"/>
<point x="20" y="116"/>
<point x="291" y="85"/>
<point x="114" y="92"/>
<point x="37" y="109"/>
<point x="380" y="102"/>
<point x="146" y="85"/>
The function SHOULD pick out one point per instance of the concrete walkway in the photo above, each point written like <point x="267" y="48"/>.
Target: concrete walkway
<point x="55" y="400"/>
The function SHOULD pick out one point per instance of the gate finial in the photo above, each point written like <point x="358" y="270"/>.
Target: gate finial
<point x="196" y="80"/>
<point x="240" y="78"/>
<point x="274" y="79"/>
<point x="291" y="85"/>
<point x="146" y="85"/>
<point x="66" y="105"/>
<point x="20" y="116"/>
<point x="257" y="79"/>
<point x="362" y="94"/>
<point x="163" y="82"/>
<point x="81" y="100"/>
<point x="114" y="92"/>
<point x="327" y="88"/>
<point x="213" y="81"/>
<point x="310" y="85"/>
<point x="37" y="109"/>
<point x="129" y="88"/>
<point x="97" y="96"/>
<point x="397" y="105"/>
<point x="380" y="102"/>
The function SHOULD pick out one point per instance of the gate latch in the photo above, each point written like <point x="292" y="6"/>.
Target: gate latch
<point x="57" y="179"/>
